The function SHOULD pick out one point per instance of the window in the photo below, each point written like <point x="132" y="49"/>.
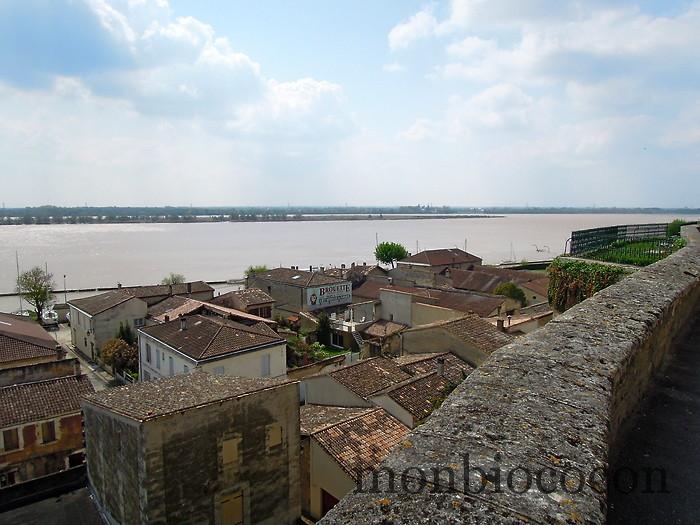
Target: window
<point x="273" y="435"/>
<point x="229" y="451"/>
<point x="10" y="439"/>
<point x="138" y="322"/>
<point x="157" y="359"/>
<point x="337" y="339"/>
<point x="8" y="478"/>
<point x="231" y="509"/>
<point x="48" y="431"/>
<point x="265" y="365"/>
<point x="171" y="365"/>
<point x="148" y="353"/>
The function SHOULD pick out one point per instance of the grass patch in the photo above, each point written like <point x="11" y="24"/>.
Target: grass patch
<point x="638" y="253"/>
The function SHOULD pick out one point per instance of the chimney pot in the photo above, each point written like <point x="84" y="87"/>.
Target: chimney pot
<point x="342" y="266"/>
<point x="441" y="366"/>
<point x="167" y="318"/>
<point x="119" y="285"/>
<point x="499" y="325"/>
<point x="183" y="322"/>
<point x="311" y="268"/>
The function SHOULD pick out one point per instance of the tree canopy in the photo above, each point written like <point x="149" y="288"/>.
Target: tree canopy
<point x="323" y="332"/>
<point x="390" y="252"/>
<point x="513" y="291"/>
<point x="119" y="354"/>
<point x="35" y="287"/>
<point x="252" y="270"/>
<point x="173" y="278"/>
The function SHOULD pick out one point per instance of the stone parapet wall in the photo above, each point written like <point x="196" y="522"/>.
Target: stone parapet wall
<point x="551" y="405"/>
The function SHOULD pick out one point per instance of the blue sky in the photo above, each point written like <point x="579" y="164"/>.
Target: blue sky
<point x="465" y="102"/>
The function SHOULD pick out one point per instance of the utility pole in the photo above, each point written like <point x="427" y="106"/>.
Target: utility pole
<point x="65" y="291"/>
<point x="19" y="292"/>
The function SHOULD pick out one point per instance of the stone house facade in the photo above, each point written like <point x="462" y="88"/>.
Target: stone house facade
<point x="196" y="448"/>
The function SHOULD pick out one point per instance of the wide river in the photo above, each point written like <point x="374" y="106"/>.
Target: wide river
<point x="104" y="254"/>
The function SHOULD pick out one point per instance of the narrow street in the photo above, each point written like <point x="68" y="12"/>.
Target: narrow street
<point x="99" y="378"/>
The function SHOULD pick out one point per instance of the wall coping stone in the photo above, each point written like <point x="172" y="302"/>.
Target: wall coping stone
<point x="556" y="399"/>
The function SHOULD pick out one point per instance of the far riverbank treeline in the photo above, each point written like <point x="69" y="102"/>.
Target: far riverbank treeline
<point x="180" y="214"/>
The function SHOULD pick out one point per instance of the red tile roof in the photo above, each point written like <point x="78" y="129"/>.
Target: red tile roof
<point x="454" y="368"/>
<point x="369" y="375"/>
<point x="99" y="303"/>
<point x="211" y="336"/>
<point x="473" y="330"/>
<point x="313" y="418"/>
<point x="420" y="396"/>
<point x="442" y="257"/>
<point x="383" y="328"/>
<point x="539" y="286"/>
<point x="476" y="280"/>
<point x="27" y="402"/>
<point x="242" y="299"/>
<point x="300" y="278"/>
<point x="483" y="305"/>
<point x="360" y="444"/>
<point x="21" y="339"/>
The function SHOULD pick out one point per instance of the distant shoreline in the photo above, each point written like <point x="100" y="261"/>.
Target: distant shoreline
<point x="19" y="221"/>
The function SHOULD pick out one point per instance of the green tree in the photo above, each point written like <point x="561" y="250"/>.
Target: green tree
<point x="119" y="354"/>
<point x="674" y="228"/>
<point x="125" y="333"/>
<point x="173" y="278"/>
<point x="252" y="270"/>
<point x="323" y="332"/>
<point x="35" y="287"/>
<point x="390" y="252"/>
<point x="513" y="291"/>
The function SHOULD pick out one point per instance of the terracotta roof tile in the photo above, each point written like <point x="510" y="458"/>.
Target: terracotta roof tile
<point x="442" y="257"/>
<point x="241" y="299"/>
<point x="369" y="375"/>
<point x="313" y="418"/>
<point x="383" y="328"/>
<point x="211" y="336"/>
<point x="454" y="368"/>
<point x="99" y="303"/>
<point x="21" y="338"/>
<point x="419" y="396"/>
<point x="360" y="444"/>
<point x="301" y="278"/>
<point x="476" y="331"/>
<point x="26" y="402"/>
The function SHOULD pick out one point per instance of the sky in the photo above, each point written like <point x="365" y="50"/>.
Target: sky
<point x="464" y="102"/>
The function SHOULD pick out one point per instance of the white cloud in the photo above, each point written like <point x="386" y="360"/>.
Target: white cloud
<point x="421" y="25"/>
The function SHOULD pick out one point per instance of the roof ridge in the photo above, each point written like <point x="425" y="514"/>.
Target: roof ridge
<point x="29" y="383"/>
<point x="204" y="350"/>
<point x="368" y="411"/>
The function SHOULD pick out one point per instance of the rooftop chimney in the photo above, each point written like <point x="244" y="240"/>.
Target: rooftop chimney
<point x="441" y="366"/>
<point x="342" y="266"/>
<point x="499" y="325"/>
<point x="391" y="280"/>
<point x="311" y="268"/>
<point x="183" y="322"/>
<point x="167" y="318"/>
<point x="323" y="268"/>
<point x="352" y="265"/>
<point x="119" y="285"/>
